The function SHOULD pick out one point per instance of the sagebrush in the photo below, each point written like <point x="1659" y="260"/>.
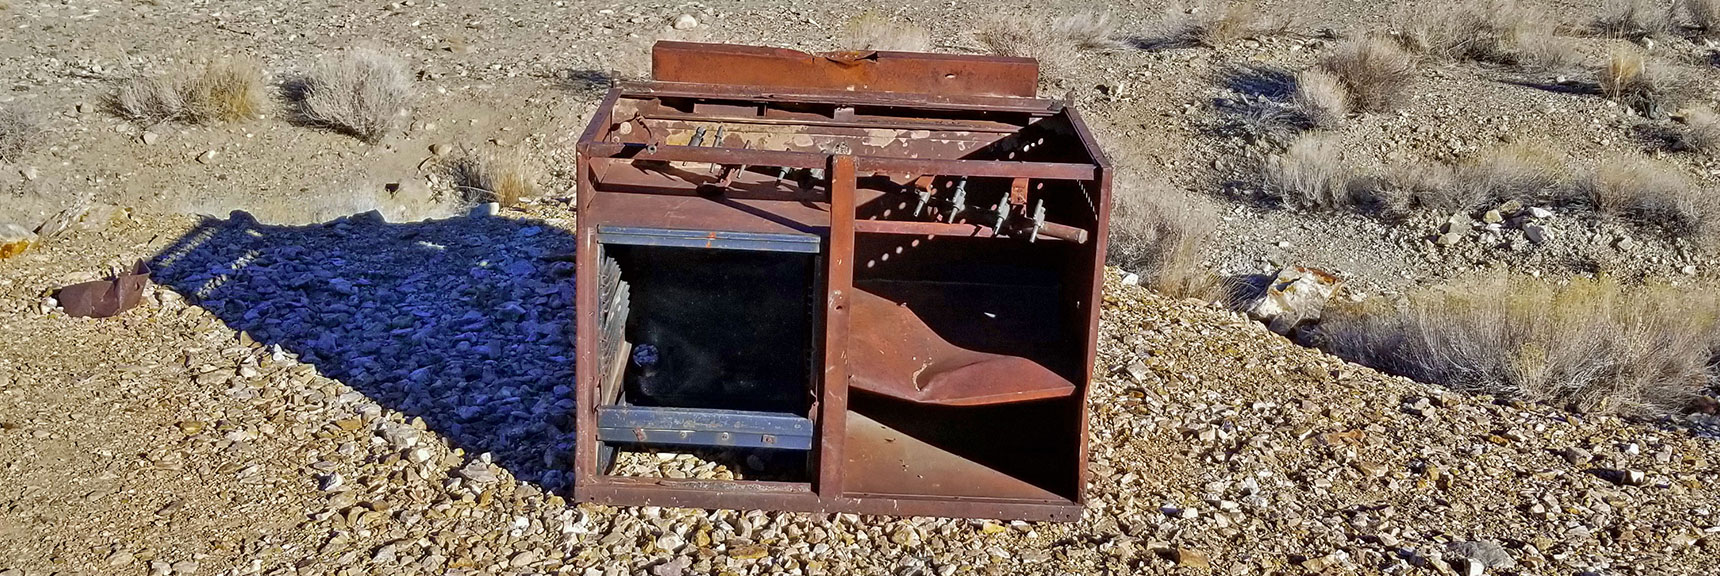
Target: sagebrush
<point x="1161" y="233"/>
<point x="1321" y="98"/>
<point x="1654" y="195"/>
<point x="1633" y="19"/>
<point x="1497" y="31"/>
<point x="1374" y="72"/>
<point x="1311" y="173"/>
<point x="875" y="31"/>
<point x="1593" y="345"/>
<point x="362" y="91"/>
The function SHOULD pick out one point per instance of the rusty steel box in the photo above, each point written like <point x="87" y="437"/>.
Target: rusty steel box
<point x="852" y="282"/>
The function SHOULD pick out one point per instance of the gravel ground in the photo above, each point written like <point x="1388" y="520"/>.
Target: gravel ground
<point x="167" y="441"/>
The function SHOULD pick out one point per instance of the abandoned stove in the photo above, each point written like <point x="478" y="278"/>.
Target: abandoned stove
<point x="867" y="281"/>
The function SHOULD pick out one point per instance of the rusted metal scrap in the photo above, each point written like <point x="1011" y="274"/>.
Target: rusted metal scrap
<point x="105" y="298"/>
<point x="871" y="278"/>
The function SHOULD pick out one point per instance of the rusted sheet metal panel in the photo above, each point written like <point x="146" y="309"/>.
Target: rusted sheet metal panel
<point x="867" y="71"/>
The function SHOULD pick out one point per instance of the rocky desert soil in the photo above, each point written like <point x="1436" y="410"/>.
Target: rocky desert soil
<point x="296" y="395"/>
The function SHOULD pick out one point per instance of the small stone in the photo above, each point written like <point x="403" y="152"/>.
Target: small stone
<point x="1448" y="239"/>
<point x="15" y="239"/>
<point x="29" y="173"/>
<point x="151" y="138"/>
<point x="1485" y="553"/>
<point x="332" y="482"/>
<point x="686" y="22"/>
<point x="439" y="149"/>
<point x="523" y="559"/>
<point x="1625" y="244"/>
<point x="191" y="427"/>
<point x="206" y="157"/>
<point x="748" y="552"/>
<point x="120" y="558"/>
<point x="185" y="567"/>
<point x="1688" y="270"/>
<point x="1492" y="217"/>
<point x="1535" y="233"/>
<point x="670" y="543"/>
<point x="1510" y="207"/>
<point x="1191" y="558"/>
<point x="1576" y="456"/>
<point x="485" y="210"/>
<point x="1540" y="213"/>
<point x="1633" y="477"/>
<point x="1138" y="371"/>
<point x="1131" y="279"/>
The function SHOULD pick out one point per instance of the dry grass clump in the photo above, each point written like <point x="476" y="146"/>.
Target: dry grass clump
<point x="1522" y="173"/>
<point x="1497" y="31"/>
<point x="1321" y="97"/>
<point x="362" y="92"/>
<point x="874" y="31"/>
<point x="492" y="177"/>
<point x="1025" y="38"/>
<point x="1652" y="194"/>
<point x="1650" y="88"/>
<point x="1703" y="14"/>
<point x="1633" y="19"/>
<point x="1592" y="345"/>
<point x="1235" y="22"/>
<point x="1311" y="173"/>
<point x="1408" y="186"/>
<point x="1373" y="71"/>
<point x="225" y="90"/>
<point x="1087" y="30"/>
<point x="18" y="131"/>
<point x="1160" y="234"/>
<point x="150" y="100"/>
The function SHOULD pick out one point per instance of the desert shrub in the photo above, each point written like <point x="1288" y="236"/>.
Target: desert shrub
<point x="1651" y="194"/>
<point x="874" y="31"/>
<point x="1590" y="344"/>
<point x="1026" y="38"/>
<point x="19" y="129"/>
<point x="1087" y="30"/>
<point x="1497" y="31"/>
<point x="362" y="92"/>
<point x="1525" y="174"/>
<point x="1160" y="234"/>
<point x="1213" y="24"/>
<point x="1698" y="131"/>
<point x="1321" y="98"/>
<point x="226" y="91"/>
<point x="1703" y="14"/>
<point x="1407" y="186"/>
<point x="1311" y="173"/>
<point x="150" y="100"/>
<point x="1650" y="88"/>
<point x="492" y="177"/>
<point x="1633" y="19"/>
<point x="1373" y="71"/>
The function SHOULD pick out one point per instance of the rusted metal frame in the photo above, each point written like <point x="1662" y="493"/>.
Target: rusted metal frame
<point x="867" y="164"/>
<point x="601" y="119"/>
<point x="863" y="71"/>
<point x="1052" y="231"/>
<point x="1102" y="197"/>
<point x="585" y="323"/>
<point x="839" y="288"/>
<point x="986" y="127"/>
<point x="1031" y="106"/>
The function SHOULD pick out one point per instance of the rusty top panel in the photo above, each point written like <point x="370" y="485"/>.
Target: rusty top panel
<point x="857" y="71"/>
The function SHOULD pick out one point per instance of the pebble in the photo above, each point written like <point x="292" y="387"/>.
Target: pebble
<point x="208" y="156"/>
<point x="150" y="138"/>
<point x="686" y="22"/>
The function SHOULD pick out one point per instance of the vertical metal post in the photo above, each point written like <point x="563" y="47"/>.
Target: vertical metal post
<point x="839" y="284"/>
